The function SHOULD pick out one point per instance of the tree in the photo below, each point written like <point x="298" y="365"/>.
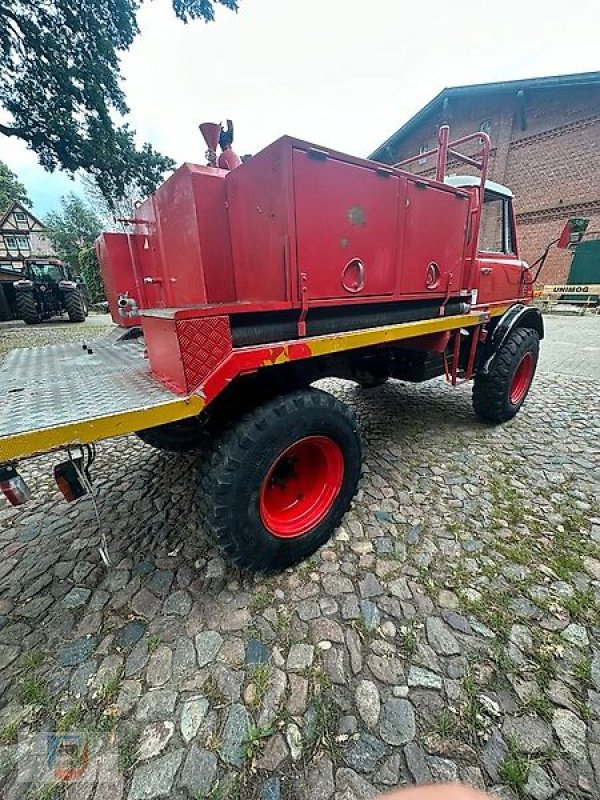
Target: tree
<point x="73" y="231"/>
<point x="59" y="83"/>
<point x="11" y="189"/>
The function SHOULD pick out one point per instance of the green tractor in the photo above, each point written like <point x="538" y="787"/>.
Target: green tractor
<point x="50" y="289"/>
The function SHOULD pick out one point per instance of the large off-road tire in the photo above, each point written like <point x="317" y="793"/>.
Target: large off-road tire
<point x="74" y="305"/>
<point x="276" y="484"/>
<point x="499" y="394"/>
<point x="175" y="437"/>
<point x="27" y="309"/>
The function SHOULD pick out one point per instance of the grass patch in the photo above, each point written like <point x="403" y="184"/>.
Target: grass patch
<point x="128" y="746"/>
<point x="540" y="704"/>
<point x="49" y="791"/>
<point x="260" y="600"/>
<point x="407" y="639"/>
<point x="71" y="719"/>
<point x="9" y="733"/>
<point x="33" y="661"/>
<point x="255" y="739"/>
<point x="565" y="564"/>
<point x="153" y="644"/>
<point x="446" y="725"/>
<point x="108" y="691"/>
<point x="261" y="676"/>
<point x="583" y="671"/>
<point x="514" y="770"/>
<point x="33" y="691"/>
<point x="580" y="604"/>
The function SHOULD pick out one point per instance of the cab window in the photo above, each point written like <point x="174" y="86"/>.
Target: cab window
<point x="495" y="232"/>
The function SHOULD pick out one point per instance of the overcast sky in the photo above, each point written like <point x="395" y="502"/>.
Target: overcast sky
<point x="341" y="73"/>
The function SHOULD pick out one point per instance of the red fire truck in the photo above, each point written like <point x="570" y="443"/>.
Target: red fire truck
<point x="235" y="290"/>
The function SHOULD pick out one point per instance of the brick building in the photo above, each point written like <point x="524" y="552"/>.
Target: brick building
<point x="545" y="136"/>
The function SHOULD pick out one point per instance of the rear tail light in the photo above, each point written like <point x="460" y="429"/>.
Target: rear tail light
<point x="13" y="487"/>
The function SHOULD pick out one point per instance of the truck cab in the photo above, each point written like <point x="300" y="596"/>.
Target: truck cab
<point x="502" y="273"/>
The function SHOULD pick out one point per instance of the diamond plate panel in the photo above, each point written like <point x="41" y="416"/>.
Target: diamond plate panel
<point x="204" y="345"/>
<point x="43" y="387"/>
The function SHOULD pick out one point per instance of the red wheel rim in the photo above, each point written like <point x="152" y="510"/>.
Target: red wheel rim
<point x="301" y="486"/>
<point x="521" y="379"/>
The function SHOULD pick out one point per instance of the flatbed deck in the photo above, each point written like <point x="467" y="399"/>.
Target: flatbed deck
<point x="61" y="395"/>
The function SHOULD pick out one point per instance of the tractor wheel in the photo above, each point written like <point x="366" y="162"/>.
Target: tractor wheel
<point x="499" y="394"/>
<point x="27" y="309"/>
<point x="175" y="437"/>
<point x="74" y="305"/>
<point x="277" y="483"/>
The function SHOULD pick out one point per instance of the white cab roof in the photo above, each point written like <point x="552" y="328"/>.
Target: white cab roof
<point x="471" y="180"/>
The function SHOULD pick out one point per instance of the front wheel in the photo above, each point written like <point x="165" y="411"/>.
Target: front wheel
<point x="499" y="394"/>
<point x="27" y="308"/>
<point x="74" y="305"/>
<point x="278" y="482"/>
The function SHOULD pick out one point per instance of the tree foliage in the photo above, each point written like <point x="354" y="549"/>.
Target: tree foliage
<point x="59" y="83"/>
<point x="11" y="189"/>
<point x="72" y="231"/>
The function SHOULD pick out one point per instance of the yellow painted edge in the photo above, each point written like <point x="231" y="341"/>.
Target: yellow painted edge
<point x="406" y="330"/>
<point x="30" y="443"/>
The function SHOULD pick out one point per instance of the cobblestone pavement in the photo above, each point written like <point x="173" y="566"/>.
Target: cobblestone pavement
<point x="451" y="629"/>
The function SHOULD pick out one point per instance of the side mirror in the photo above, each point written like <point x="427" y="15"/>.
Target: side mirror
<point x="573" y="232"/>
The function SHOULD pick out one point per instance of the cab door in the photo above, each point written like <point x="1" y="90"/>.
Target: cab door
<point x="501" y="271"/>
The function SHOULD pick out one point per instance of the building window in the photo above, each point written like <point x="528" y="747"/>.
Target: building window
<point x="20" y="216"/>
<point x="423" y="149"/>
<point x="486" y="126"/>
<point x="17" y="242"/>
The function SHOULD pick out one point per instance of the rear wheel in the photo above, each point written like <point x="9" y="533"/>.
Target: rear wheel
<point x="74" y="305"/>
<point x="277" y="483"/>
<point x="27" y="309"/>
<point x="175" y="437"/>
<point x="499" y="394"/>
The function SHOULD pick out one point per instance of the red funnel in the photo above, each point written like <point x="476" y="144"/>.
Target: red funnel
<point x="211" y="132"/>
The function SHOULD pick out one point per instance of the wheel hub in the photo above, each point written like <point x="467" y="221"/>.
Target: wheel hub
<point x="521" y="379"/>
<point x="301" y="486"/>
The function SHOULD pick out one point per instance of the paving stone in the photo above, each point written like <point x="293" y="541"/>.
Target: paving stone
<point x="424" y="678"/>
<point x="130" y="634"/>
<point x="156" y="778"/>
<point x="416" y="763"/>
<point x="137" y="659"/>
<point x="274" y="753"/>
<point x="318" y="784"/>
<point x="293" y="737"/>
<point x="235" y="732"/>
<point x="300" y="657"/>
<point x="531" y="734"/>
<point x="365" y="753"/>
<point x="75" y="652"/>
<point x="298" y="695"/>
<point x="159" y="667"/>
<point x="256" y="652"/>
<point x="81" y="679"/>
<point x="178" y="603"/>
<point x="273" y="698"/>
<point x="145" y="604"/>
<point x="193" y="713"/>
<point x="199" y="771"/>
<point x="228" y="681"/>
<point x="595" y="670"/>
<point x="154" y="739"/>
<point x="368" y="703"/>
<point x="539" y="784"/>
<point x="571" y="731"/>
<point x="184" y="659"/>
<point x="158" y="704"/>
<point x="208" y="644"/>
<point x="494" y="752"/>
<point x="441" y="638"/>
<point x="397" y="725"/>
<point x="77" y="597"/>
<point x="271" y="789"/>
<point x="159" y="582"/>
<point x="351" y="786"/>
